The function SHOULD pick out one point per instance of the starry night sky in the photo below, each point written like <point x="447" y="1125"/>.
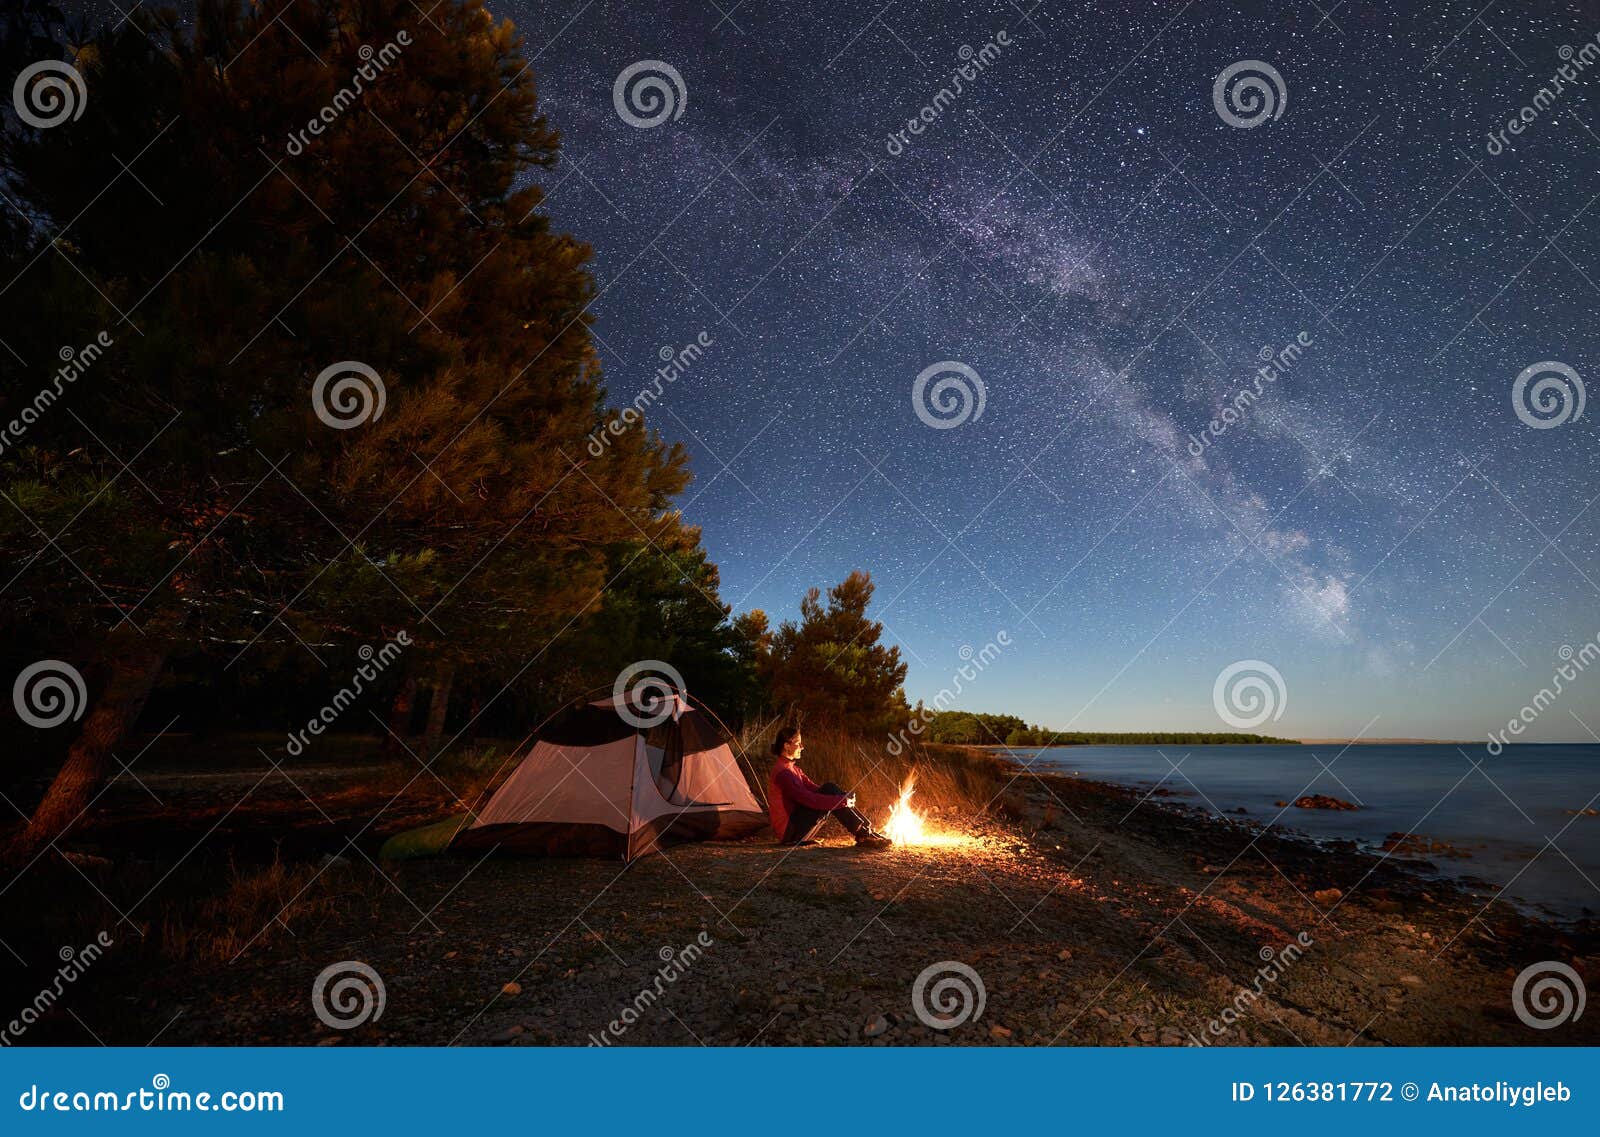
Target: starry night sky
<point x="1083" y="230"/>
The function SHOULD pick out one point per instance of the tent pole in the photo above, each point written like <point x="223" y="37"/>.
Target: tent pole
<point x="633" y="789"/>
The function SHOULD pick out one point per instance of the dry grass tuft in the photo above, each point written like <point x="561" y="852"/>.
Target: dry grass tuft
<point x="951" y="781"/>
<point x="257" y="907"/>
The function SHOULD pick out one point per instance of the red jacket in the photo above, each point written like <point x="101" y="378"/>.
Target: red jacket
<point x="787" y="788"/>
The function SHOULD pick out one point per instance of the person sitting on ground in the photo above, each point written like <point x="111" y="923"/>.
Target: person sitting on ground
<point x="799" y="806"/>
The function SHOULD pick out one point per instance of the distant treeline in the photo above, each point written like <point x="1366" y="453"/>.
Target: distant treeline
<point x="965" y="727"/>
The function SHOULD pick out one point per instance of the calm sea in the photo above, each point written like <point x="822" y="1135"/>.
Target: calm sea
<point x="1502" y="813"/>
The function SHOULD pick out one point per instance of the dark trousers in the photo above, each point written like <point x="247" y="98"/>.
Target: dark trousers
<point x="803" y="821"/>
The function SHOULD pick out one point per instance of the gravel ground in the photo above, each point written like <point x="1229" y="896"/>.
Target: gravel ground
<point x="1090" y="917"/>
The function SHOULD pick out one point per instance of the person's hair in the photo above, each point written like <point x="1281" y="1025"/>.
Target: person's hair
<point x="781" y="742"/>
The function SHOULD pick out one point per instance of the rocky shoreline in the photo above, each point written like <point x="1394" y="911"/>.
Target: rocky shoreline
<point x="1085" y="914"/>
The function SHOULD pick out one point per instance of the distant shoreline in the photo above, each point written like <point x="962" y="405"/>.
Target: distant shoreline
<point x="1004" y="746"/>
<point x="1386" y="742"/>
<point x="1179" y="741"/>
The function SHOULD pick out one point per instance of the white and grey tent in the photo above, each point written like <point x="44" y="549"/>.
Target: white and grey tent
<point x="607" y="779"/>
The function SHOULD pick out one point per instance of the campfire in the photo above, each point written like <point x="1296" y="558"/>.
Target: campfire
<point x="907" y="827"/>
<point x="904" y="826"/>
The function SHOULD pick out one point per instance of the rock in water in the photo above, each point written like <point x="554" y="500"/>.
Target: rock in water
<point x="1323" y="801"/>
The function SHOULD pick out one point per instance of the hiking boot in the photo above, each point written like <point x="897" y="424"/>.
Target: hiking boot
<point x="873" y="841"/>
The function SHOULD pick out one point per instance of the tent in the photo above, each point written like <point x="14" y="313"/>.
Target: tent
<point x="618" y="778"/>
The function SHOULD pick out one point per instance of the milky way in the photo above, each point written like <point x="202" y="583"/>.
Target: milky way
<point x="1082" y="228"/>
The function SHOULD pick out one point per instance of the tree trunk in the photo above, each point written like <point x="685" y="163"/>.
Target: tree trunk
<point x="394" y="745"/>
<point x="132" y="670"/>
<point x="438" y="708"/>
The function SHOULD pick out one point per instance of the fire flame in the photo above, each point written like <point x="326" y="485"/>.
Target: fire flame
<point x="908" y="827"/>
<point x="905" y="826"/>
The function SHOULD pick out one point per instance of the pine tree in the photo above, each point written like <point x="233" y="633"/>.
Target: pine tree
<point x="833" y="665"/>
<point x="311" y="182"/>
